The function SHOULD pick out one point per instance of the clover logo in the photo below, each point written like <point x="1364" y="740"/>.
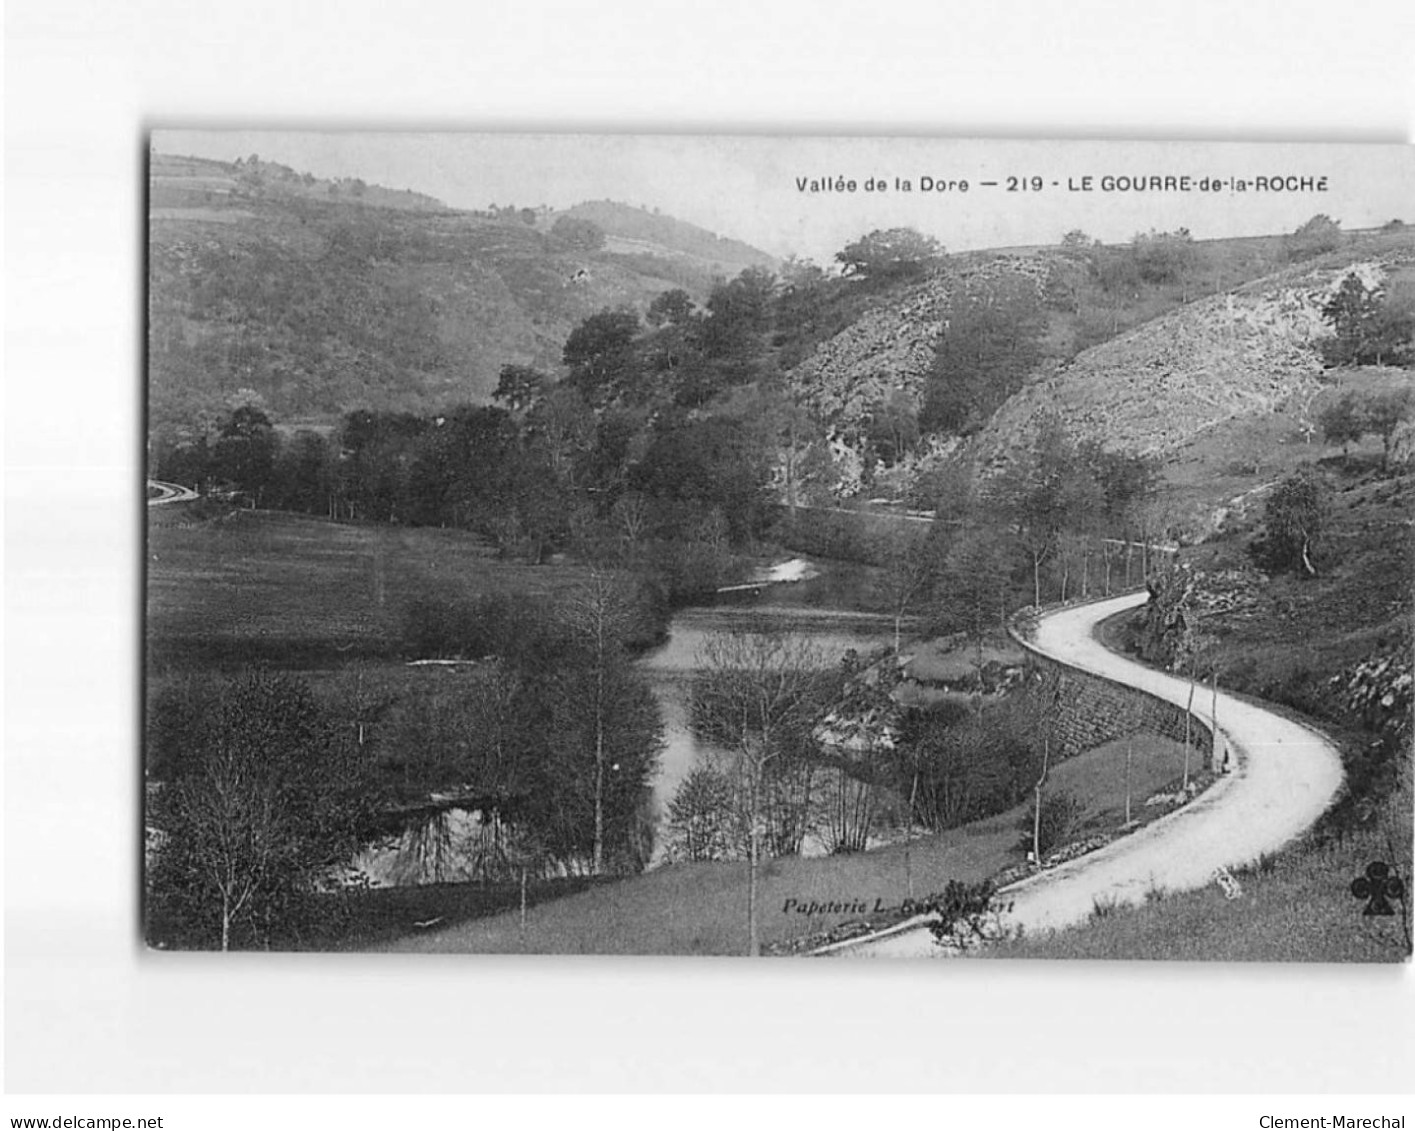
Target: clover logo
<point x="1378" y="887"/>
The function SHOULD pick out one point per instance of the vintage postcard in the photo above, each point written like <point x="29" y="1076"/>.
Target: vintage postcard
<point x="796" y="547"/>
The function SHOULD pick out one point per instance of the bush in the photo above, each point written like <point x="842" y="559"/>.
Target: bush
<point x="965" y="911"/>
<point x="1294" y="523"/>
<point x="703" y="823"/>
<point x="1061" y="814"/>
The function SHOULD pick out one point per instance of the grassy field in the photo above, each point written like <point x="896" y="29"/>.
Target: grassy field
<point x="1295" y="907"/>
<point x="702" y="908"/>
<point x="1290" y="637"/>
<point x="1235" y="460"/>
<point x="293" y="591"/>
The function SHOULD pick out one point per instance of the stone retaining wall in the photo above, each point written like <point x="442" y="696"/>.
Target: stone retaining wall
<point x="1094" y="710"/>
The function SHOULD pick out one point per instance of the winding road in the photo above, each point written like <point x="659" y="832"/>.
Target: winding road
<point x="169" y="493"/>
<point x="1282" y="777"/>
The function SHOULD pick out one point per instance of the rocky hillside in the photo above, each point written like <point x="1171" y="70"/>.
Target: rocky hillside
<point x="1217" y="359"/>
<point x="1185" y="367"/>
<point x="890" y="348"/>
<point x="325" y="296"/>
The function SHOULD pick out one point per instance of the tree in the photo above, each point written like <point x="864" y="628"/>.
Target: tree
<point x="739" y="316"/>
<point x="264" y="800"/>
<point x="974" y="591"/>
<point x="1392" y="332"/>
<point x="1352" y="312"/>
<point x="1317" y="236"/>
<point x="1077" y="241"/>
<point x="759" y="696"/>
<point x="1165" y="257"/>
<point x="1342" y="422"/>
<point x="598" y="612"/>
<point x="703" y="817"/>
<point x="1294" y="522"/>
<point x="892" y="254"/>
<point x="520" y="387"/>
<point x="593" y="788"/>
<point x="991" y="341"/>
<point x="1355" y="415"/>
<point x="893" y="427"/>
<point x="600" y="354"/>
<point x="912" y="563"/>
<point x="960" y="764"/>
<point x="1127" y="485"/>
<point x="1046" y="490"/>
<point x="716" y="461"/>
<point x="1384" y="413"/>
<point x="672" y="308"/>
<point x="245" y="451"/>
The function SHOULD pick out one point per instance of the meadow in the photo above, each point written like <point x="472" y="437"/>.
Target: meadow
<point x="297" y="592"/>
<point x="700" y="909"/>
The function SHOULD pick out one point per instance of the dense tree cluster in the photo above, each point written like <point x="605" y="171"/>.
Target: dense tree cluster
<point x="889" y="255"/>
<point x="990" y="344"/>
<point x="1370" y="325"/>
<point x="670" y="495"/>
<point x="261" y="798"/>
<point x="961" y="764"/>
<point x="1354" y="415"/>
<point x="265" y="792"/>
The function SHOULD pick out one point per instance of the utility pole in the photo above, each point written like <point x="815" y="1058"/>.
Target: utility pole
<point x="1129" y="758"/>
<point x="1037" y="810"/>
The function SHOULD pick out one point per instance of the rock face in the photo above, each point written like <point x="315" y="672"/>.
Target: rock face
<point x="886" y="351"/>
<point x="1161" y="385"/>
<point x="885" y="355"/>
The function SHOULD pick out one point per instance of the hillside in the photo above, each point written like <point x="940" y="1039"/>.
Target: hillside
<point x="325" y="296"/>
<point x="1224" y="357"/>
<point x="890" y="347"/>
<point x="1138" y="360"/>
<point x="638" y="231"/>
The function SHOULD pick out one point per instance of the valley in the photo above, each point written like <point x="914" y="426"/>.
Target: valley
<point x="463" y="540"/>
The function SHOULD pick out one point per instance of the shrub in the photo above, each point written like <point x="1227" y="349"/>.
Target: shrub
<point x="1294" y="523"/>
<point x="1061" y="814"/>
<point x="965" y="911"/>
<point x="702" y="818"/>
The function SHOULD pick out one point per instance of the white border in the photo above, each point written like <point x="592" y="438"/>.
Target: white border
<point x="87" y="1011"/>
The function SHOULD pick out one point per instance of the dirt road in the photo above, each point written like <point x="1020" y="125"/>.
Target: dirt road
<point x="1283" y="777"/>
<point x="169" y="493"/>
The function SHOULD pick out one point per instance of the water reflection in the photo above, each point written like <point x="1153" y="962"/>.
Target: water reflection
<point x="670" y="669"/>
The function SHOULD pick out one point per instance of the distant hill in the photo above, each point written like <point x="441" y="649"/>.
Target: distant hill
<point x="323" y="296"/>
<point x="638" y="231"/>
<point x="177" y="183"/>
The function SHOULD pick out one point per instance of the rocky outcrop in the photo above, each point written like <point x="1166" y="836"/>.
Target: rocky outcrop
<point x="1161" y="385"/>
<point x="885" y="355"/>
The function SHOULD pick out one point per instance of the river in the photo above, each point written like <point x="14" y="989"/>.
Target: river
<point x="671" y="667"/>
<point x="446" y="849"/>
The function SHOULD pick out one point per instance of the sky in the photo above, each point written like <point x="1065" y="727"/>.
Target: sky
<point x="758" y="188"/>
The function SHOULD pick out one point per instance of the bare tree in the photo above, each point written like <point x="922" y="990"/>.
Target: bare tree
<point x="911" y="566"/>
<point x="598" y="611"/>
<point x="268" y="797"/>
<point x="759" y="695"/>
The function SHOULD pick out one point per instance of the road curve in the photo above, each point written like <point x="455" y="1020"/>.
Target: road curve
<point x="169" y="493"/>
<point x="1282" y="777"/>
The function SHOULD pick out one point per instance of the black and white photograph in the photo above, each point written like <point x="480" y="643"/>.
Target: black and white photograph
<point x="795" y="547"/>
